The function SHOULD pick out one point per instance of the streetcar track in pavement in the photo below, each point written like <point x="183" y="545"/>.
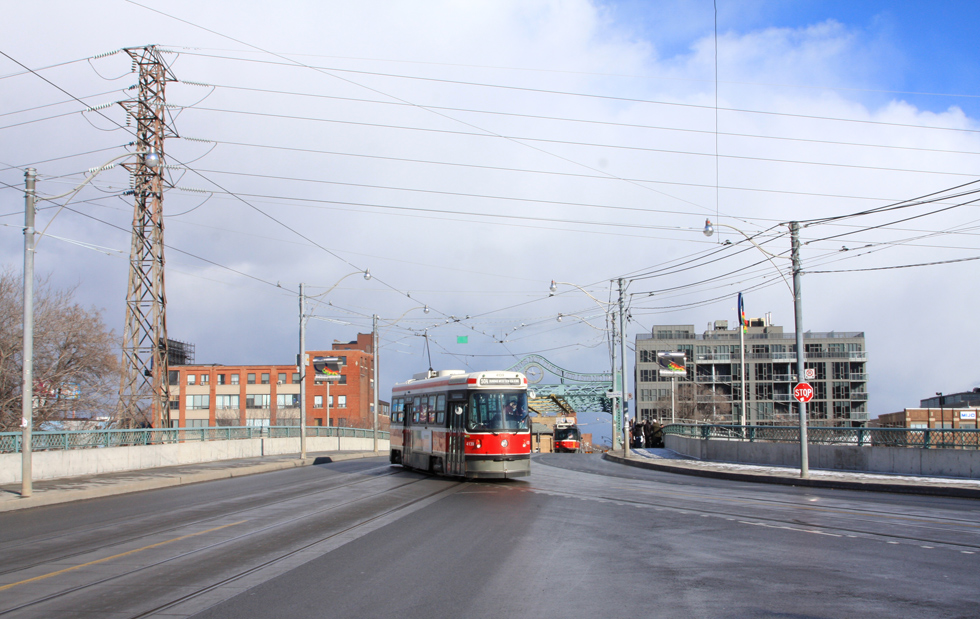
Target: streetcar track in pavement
<point x="154" y="532"/>
<point x="740" y="517"/>
<point x="237" y="538"/>
<point x="913" y="520"/>
<point x="270" y="562"/>
<point x="769" y="519"/>
<point x="297" y="489"/>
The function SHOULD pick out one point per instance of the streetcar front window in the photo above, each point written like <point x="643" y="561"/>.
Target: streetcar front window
<point x="491" y="411"/>
<point x="567" y="434"/>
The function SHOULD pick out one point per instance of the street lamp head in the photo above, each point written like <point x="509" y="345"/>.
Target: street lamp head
<point x="367" y="274"/>
<point x="708" y="228"/>
<point x="553" y="288"/>
<point x="152" y="159"/>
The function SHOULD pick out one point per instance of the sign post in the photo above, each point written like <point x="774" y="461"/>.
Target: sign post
<point x="673" y="364"/>
<point x="327" y="370"/>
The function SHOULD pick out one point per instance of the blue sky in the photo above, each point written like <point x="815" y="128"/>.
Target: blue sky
<point x="929" y="47"/>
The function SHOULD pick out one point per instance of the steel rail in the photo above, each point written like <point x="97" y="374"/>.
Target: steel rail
<point x="299" y="491"/>
<point x="237" y="538"/>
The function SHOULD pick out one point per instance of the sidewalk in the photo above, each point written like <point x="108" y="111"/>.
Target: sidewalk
<point x="671" y="462"/>
<point x="50" y="492"/>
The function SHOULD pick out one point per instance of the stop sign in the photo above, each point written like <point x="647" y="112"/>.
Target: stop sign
<point x="803" y="392"/>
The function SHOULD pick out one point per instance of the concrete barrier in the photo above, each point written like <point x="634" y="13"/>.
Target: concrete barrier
<point x="58" y="464"/>
<point x="867" y="459"/>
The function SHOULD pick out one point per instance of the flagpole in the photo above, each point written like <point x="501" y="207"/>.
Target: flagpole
<point x="741" y="349"/>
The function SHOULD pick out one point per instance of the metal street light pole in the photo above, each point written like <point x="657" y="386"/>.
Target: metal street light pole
<point x="374" y="354"/>
<point x="302" y="360"/>
<point x="302" y="373"/>
<point x="27" y="390"/>
<point x="605" y="307"/>
<point x="794" y="229"/>
<point x="622" y="366"/>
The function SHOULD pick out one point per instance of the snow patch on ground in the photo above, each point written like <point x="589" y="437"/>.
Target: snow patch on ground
<point x="782" y="471"/>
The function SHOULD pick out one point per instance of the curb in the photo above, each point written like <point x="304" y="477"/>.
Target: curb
<point x="168" y="480"/>
<point x="837" y="484"/>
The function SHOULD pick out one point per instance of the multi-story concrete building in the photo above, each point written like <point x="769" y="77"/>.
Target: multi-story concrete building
<point x="711" y="388"/>
<point x="259" y="395"/>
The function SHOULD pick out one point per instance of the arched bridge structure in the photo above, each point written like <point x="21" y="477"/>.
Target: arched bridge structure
<point x="576" y="393"/>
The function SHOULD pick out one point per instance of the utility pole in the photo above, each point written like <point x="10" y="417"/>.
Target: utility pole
<point x="374" y="354"/>
<point x="145" y="390"/>
<point x="27" y="390"/>
<point x="617" y="396"/>
<point x="302" y="373"/>
<point x="794" y="230"/>
<point x="622" y="365"/>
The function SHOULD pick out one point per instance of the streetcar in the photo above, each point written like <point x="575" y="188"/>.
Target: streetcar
<point x="568" y="439"/>
<point x="459" y="424"/>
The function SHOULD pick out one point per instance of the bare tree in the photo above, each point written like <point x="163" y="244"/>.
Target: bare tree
<point x="699" y="403"/>
<point x="76" y="365"/>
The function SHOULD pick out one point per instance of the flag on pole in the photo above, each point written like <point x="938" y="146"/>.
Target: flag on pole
<point x="741" y="314"/>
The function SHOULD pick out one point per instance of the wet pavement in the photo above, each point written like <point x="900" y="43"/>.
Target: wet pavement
<point x="669" y="461"/>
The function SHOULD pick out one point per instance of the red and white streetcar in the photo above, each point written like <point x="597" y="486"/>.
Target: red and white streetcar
<point x="462" y="424"/>
<point x="568" y="439"/>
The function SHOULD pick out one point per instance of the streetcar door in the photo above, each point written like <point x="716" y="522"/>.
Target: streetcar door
<point x="407" y="434"/>
<point x="456" y="437"/>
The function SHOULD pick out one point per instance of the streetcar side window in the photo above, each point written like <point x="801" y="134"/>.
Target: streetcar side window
<point x="431" y="408"/>
<point x="407" y="413"/>
<point x="396" y="410"/>
<point x="417" y="412"/>
<point x="441" y="410"/>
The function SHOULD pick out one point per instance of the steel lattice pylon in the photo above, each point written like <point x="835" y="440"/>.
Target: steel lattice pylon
<point x="584" y="392"/>
<point x="145" y="393"/>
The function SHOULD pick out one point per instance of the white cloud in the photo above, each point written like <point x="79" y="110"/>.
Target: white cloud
<point x="468" y="265"/>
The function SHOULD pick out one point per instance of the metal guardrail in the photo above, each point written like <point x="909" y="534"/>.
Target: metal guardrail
<point x="926" y="438"/>
<point x="10" y="442"/>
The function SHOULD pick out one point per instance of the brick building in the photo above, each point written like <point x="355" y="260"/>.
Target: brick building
<point x="262" y="395"/>
<point x="956" y="417"/>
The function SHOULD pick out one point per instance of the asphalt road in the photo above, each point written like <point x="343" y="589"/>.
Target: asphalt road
<point x="580" y="538"/>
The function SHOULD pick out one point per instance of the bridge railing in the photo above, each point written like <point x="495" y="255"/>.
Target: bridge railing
<point x="10" y="442"/>
<point x="927" y="438"/>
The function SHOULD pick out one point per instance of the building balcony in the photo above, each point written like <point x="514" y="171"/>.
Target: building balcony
<point x="717" y="378"/>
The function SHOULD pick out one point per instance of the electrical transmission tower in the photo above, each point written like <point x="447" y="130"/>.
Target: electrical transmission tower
<point x="145" y="392"/>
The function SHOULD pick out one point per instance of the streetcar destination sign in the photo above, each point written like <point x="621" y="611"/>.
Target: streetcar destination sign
<point x="803" y="392"/>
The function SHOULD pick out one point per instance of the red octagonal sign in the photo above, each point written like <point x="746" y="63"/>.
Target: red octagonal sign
<point x="803" y="392"/>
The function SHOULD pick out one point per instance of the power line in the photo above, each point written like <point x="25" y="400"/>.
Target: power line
<point x="520" y="138"/>
<point x="598" y="122"/>
<point x="573" y="94"/>
<point x="900" y="266"/>
<point x="594" y="73"/>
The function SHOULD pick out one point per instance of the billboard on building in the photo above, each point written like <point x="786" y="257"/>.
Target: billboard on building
<point x="672" y="363"/>
<point x="326" y="369"/>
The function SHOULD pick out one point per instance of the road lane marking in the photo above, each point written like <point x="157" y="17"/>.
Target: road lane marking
<point x="771" y="504"/>
<point x="772" y="526"/>
<point x="122" y="554"/>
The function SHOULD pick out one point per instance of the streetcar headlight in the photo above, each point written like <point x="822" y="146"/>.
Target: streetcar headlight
<point x="479" y="444"/>
<point x="504" y="443"/>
